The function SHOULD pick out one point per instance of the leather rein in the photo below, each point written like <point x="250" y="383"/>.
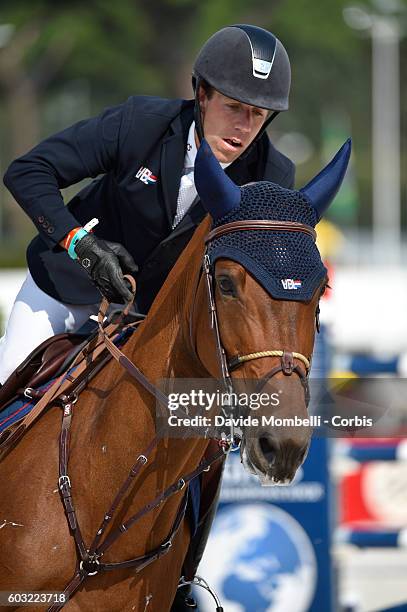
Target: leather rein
<point x="89" y="561"/>
<point x="89" y="558"/>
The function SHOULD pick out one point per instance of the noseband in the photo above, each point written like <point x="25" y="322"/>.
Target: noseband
<point x="287" y="358"/>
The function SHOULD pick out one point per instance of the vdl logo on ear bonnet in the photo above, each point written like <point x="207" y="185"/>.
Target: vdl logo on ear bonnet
<point x="290" y="283"/>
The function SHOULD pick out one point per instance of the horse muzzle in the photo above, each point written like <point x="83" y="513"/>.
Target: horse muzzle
<point x="274" y="461"/>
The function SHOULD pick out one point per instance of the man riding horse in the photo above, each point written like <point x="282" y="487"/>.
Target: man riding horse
<point x="141" y="156"/>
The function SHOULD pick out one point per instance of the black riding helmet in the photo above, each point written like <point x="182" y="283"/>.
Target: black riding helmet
<point x="248" y="64"/>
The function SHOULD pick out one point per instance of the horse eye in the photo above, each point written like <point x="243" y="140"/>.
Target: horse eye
<point x="225" y="285"/>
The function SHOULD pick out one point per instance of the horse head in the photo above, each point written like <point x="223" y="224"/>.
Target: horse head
<point x="265" y="278"/>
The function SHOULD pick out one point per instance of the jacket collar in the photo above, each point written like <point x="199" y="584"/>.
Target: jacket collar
<point x="172" y="158"/>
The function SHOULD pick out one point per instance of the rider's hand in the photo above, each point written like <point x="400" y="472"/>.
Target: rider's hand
<point x="106" y="262"/>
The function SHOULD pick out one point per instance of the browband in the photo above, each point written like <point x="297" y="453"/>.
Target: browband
<point x="261" y="224"/>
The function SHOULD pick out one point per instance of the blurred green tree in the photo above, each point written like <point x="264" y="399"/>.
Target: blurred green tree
<point x="66" y="60"/>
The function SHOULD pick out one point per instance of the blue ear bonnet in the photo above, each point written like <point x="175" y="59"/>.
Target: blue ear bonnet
<point x="287" y="264"/>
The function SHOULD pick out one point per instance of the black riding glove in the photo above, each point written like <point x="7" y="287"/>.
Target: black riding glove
<point x="106" y="262"/>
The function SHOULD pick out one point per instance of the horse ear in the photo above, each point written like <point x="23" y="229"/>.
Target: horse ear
<point x="322" y="189"/>
<point x="219" y="194"/>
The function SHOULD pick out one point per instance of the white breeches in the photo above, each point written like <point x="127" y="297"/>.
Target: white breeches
<point x="35" y="317"/>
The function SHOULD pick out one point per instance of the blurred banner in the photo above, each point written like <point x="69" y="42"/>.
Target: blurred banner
<point x="269" y="550"/>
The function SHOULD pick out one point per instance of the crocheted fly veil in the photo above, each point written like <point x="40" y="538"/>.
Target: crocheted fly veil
<point x="287" y="264"/>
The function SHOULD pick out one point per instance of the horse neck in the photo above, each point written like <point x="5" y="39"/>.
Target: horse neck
<point x="162" y="347"/>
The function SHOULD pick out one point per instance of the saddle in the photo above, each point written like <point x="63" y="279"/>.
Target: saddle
<point x="67" y="362"/>
<point x="41" y="365"/>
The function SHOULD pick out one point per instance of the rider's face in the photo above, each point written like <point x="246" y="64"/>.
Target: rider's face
<point x="229" y="126"/>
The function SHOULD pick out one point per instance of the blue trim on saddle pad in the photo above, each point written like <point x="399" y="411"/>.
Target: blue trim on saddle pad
<point x="20" y="408"/>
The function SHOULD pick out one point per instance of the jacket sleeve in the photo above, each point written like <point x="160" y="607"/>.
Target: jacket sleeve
<point x="86" y="149"/>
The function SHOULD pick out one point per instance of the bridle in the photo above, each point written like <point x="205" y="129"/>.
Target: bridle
<point x="287" y="363"/>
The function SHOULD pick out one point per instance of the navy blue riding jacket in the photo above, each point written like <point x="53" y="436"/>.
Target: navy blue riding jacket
<point x="119" y="149"/>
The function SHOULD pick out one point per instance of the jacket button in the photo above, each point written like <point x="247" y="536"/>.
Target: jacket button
<point x="51" y="230"/>
<point x="45" y="224"/>
<point x="41" y="219"/>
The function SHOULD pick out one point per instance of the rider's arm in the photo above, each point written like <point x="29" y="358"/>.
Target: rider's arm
<point x="86" y="149"/>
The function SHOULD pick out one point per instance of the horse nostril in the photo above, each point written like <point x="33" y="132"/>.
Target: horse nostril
<point x="268" y="448"/>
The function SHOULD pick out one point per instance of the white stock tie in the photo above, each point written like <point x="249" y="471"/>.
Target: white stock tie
<point x="186" y="195"/>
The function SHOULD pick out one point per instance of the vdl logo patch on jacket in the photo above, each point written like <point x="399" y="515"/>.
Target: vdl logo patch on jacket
<point x="146" y="176"/>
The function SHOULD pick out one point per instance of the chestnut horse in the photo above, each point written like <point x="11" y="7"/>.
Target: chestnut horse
<point x="114" y="418"/>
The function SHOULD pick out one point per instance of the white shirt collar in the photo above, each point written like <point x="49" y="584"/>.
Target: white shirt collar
<point x="191" y="152"/>
<point x="191" y="148"/>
